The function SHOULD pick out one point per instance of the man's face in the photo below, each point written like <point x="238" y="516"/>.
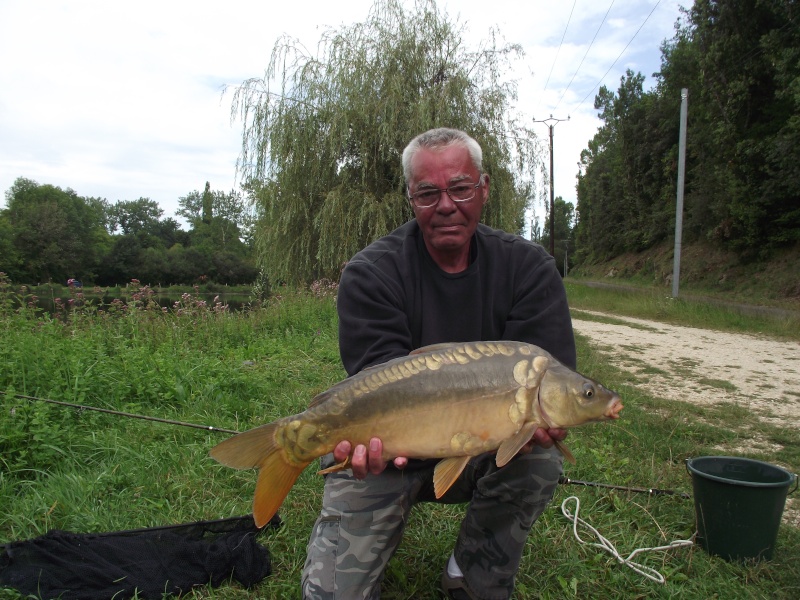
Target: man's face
<point x="447" y="227"/>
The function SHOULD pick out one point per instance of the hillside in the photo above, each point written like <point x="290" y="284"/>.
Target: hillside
<point x="707" y="270"/>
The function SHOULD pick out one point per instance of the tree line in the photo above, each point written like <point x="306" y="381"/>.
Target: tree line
<point x="323" y="133"/>
<point x="740" y="62"/>
<point x="49" y="234"/>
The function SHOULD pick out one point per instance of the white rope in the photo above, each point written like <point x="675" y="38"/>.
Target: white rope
<point x="609" y="547"/>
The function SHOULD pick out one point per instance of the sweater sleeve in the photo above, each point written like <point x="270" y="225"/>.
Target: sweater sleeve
<point x="373" y="325"/>
<point x="539" y="313"/>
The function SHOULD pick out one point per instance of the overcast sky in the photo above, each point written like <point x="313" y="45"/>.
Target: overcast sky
<point x="123" y="100"/>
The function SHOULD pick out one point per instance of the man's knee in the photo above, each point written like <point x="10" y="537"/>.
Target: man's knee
<point x="528" y="479"/>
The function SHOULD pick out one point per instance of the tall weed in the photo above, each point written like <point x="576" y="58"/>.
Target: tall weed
<point x="85" y="471"/>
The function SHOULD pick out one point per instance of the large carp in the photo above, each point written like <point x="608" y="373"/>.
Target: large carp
<point x="448" y="401"/>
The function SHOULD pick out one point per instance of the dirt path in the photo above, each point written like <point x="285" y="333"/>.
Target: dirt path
<point x="703" y="366"/>
<point x="707" y="367"/>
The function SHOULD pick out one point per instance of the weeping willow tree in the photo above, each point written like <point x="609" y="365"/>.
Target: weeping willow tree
<point x="323" y="134"/>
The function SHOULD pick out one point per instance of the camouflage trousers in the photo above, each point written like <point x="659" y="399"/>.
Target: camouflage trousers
<point x="362" y="522"/>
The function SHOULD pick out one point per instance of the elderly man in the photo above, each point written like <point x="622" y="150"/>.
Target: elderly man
<point x="442" y="277"/>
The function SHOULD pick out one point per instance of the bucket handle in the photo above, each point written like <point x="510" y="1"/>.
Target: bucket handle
<point x="796" y="478"/>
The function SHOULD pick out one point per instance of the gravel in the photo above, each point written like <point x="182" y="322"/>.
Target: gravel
<point x="703" y="366"/>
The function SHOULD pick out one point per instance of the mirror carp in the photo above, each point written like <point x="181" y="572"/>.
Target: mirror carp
<point x="449" y="401"/>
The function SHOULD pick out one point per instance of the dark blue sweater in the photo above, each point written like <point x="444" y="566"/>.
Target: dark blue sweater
<point x="393" y="298"/>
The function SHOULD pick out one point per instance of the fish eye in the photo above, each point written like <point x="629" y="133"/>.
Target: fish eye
<point x="588" y="390"/>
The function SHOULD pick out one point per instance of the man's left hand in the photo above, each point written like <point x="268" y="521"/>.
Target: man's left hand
<point x="545" y="438"/>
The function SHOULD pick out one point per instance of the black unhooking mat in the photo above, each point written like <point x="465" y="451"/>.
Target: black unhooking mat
<point x="151" y="562"/>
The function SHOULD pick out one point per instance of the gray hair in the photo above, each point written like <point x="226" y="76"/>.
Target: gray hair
<point x="435" y="139"/>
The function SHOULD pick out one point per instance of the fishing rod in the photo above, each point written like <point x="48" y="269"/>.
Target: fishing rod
<point x="651" y="491"/>
<point x="562" y="480"/>
<point x="121" y="414"/>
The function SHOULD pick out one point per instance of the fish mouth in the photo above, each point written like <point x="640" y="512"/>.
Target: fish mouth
<point x="614" y="408"/>
<point x="612" y="411"/>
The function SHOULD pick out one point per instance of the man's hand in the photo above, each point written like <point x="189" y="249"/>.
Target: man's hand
<point x="545" y="438"/>
<point x="365" y="460"/>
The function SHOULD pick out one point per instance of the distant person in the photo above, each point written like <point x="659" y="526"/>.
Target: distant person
<point x="441" y="277"/>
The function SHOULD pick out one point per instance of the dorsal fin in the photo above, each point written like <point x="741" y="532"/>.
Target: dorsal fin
<point x="323" y="396"/>
<point x="435" y="347"/>
<point x="320" y="398"/>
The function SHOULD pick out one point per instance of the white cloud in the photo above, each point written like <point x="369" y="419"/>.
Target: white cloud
<point x="123" y="100"/>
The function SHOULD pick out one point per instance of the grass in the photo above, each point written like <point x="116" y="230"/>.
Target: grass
<point x="656" y="304"/>
<point x="707" y="270"/>
<point x="86" y="471"/>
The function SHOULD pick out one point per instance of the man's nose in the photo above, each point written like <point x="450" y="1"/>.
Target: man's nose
<point x="445" y="204"/>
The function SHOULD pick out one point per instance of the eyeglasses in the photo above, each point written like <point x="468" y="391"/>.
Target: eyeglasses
<point x="460" y="192"/>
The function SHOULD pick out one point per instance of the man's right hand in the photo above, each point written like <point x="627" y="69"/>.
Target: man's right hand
<point x="364" y="460"/>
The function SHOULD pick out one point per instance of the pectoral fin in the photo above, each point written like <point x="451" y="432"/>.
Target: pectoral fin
<point x="337" y="467"/>
<point x="565" y="451"/>
<point x="446" y="472"/>
<point x="509" y="448"/>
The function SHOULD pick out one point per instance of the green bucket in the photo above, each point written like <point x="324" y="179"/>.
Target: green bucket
<point x="738" y="503"/>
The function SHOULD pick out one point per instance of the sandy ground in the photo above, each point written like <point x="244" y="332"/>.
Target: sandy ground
<point x="704" y="366"/>
<point x="707" y="367"/>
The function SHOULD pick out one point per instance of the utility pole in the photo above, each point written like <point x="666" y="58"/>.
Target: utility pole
<point x="551" y="123"/>
<point x="676" y="262"/>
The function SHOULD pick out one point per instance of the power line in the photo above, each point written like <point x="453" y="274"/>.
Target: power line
<point x="620" y="55"/>
<point x="585" y="55"/>
<point x="569" y="20"/>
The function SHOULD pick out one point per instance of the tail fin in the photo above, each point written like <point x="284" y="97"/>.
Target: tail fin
<point x="246" y="450"/>
<point x="275" y="480"/>
<point x="257" y="448"/>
